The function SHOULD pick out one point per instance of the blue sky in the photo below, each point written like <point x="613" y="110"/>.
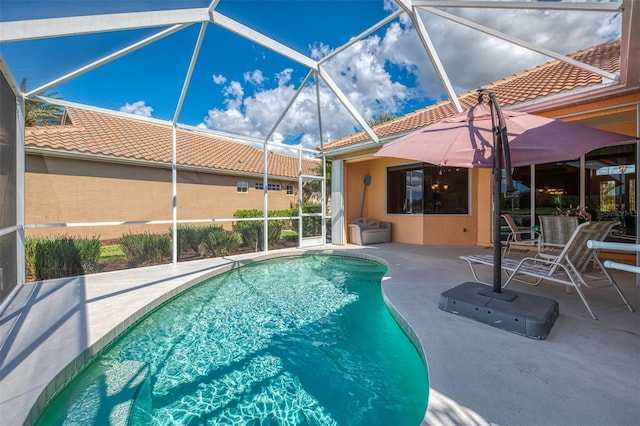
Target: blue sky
<point x="242" y="88"/>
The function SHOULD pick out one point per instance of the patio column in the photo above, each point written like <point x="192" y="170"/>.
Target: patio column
<point x="174" y="195"/>
<point x="337" y="202"/>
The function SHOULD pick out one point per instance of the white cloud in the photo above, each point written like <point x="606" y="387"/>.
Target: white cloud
<point x="258" y="114"/>
<point x="360" y="74"/>
<point x="137" y="108"/>
<point x="254" y="77"/>
<point x="284" y="76"/>
<point x="472" y="58"/>
<point x="219" y="79"/>
<point x="367" y="72"/>
<point x="233" y="94"/>
<point x="390" y="5"/>
<point x="230" y="120"/>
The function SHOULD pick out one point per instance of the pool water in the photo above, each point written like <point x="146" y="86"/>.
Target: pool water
<point x="293" y="340"/>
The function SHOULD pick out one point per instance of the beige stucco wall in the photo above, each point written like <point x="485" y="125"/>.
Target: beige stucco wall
<point x="61" y="190"/>
<point x="414" y="229"/>
<point x="215" y="196"/>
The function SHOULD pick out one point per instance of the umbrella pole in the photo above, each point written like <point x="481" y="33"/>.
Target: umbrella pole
<point x="500" y="147"/>
<point x="500" y="144"/>
<point x="497" y="243"/>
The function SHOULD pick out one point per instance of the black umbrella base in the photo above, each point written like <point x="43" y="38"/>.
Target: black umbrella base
<point x="521" y="313"/>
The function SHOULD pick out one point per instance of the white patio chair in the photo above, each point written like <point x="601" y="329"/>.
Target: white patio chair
<point x="567" y="268"/>
<point x="519" y="237"/>
<point x="556" y="231"/>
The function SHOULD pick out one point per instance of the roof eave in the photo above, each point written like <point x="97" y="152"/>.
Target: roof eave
<point x="359" y="146"/>
<point x="575" y="97"/>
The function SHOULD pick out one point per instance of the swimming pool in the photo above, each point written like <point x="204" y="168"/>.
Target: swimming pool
<point x="292" y="340"/>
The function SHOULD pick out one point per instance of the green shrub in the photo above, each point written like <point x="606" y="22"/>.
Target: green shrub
<point x="250" y="233"/>
<point x="288" y="223"/>
<point x="224" y="243"/>
<point x="188" y="238"/>
<point x="289" y="235"/>
<point x="248" y="214"/>
<point x="311" y="226"/>
<point x="275" y="231"/>
<point x="30" y="245"/>
<point x="204" y="237"/>
<point x="206" y="248"/>
<point x="89" y="249"/>
<point x="203" y="248"/>
<point x="146" y="247"/>
<point x="61" y="256"/>
<point x="196" y="238"/>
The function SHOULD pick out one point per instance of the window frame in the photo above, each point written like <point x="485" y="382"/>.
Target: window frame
<point x="270" y="186"/>
<point x="423" y="166"/>
<point x="242" y="187"/>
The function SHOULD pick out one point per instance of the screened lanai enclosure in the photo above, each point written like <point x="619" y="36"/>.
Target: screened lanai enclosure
<point x="235" y="102"/>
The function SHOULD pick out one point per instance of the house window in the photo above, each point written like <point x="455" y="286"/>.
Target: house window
<point x="610" y="186"/>
<point x="427" y="189"/>
<point x="289" y="189"/>
<point x="242" y="186"/>
<point x="270" y="186"/>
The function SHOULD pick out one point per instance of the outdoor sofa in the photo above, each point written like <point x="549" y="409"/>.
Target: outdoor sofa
<point x="367" y="230"/>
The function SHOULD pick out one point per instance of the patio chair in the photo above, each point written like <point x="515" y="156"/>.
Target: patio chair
<point x="556" y="231"/>
<point x="367" y="230"/>
<point x="568" y="267"/>
<point x="601" y="229"/>
<point x="519" y="237"/>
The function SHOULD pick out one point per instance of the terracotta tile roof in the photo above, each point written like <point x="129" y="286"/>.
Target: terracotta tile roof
<point x="115" y="136"/>
<point x="544" y="80"/>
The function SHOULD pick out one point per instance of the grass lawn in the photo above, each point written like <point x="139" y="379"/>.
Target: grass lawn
<point x="111" y="252"/>
<point x="289" y="235"/>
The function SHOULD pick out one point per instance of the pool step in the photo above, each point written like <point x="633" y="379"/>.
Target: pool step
<point x="125" y="385"/>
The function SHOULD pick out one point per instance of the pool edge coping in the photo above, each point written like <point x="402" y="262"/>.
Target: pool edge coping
<point x="413" y="337"/>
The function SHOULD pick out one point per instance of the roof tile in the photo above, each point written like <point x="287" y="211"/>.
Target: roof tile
<point x="550" y="78"/>
<point x="111" y="135"/>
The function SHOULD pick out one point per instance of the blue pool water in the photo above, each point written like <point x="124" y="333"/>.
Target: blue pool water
<point x="294" y="340"/>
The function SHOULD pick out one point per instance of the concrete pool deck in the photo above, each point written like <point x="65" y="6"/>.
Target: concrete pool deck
<point x="585" y="373"/>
